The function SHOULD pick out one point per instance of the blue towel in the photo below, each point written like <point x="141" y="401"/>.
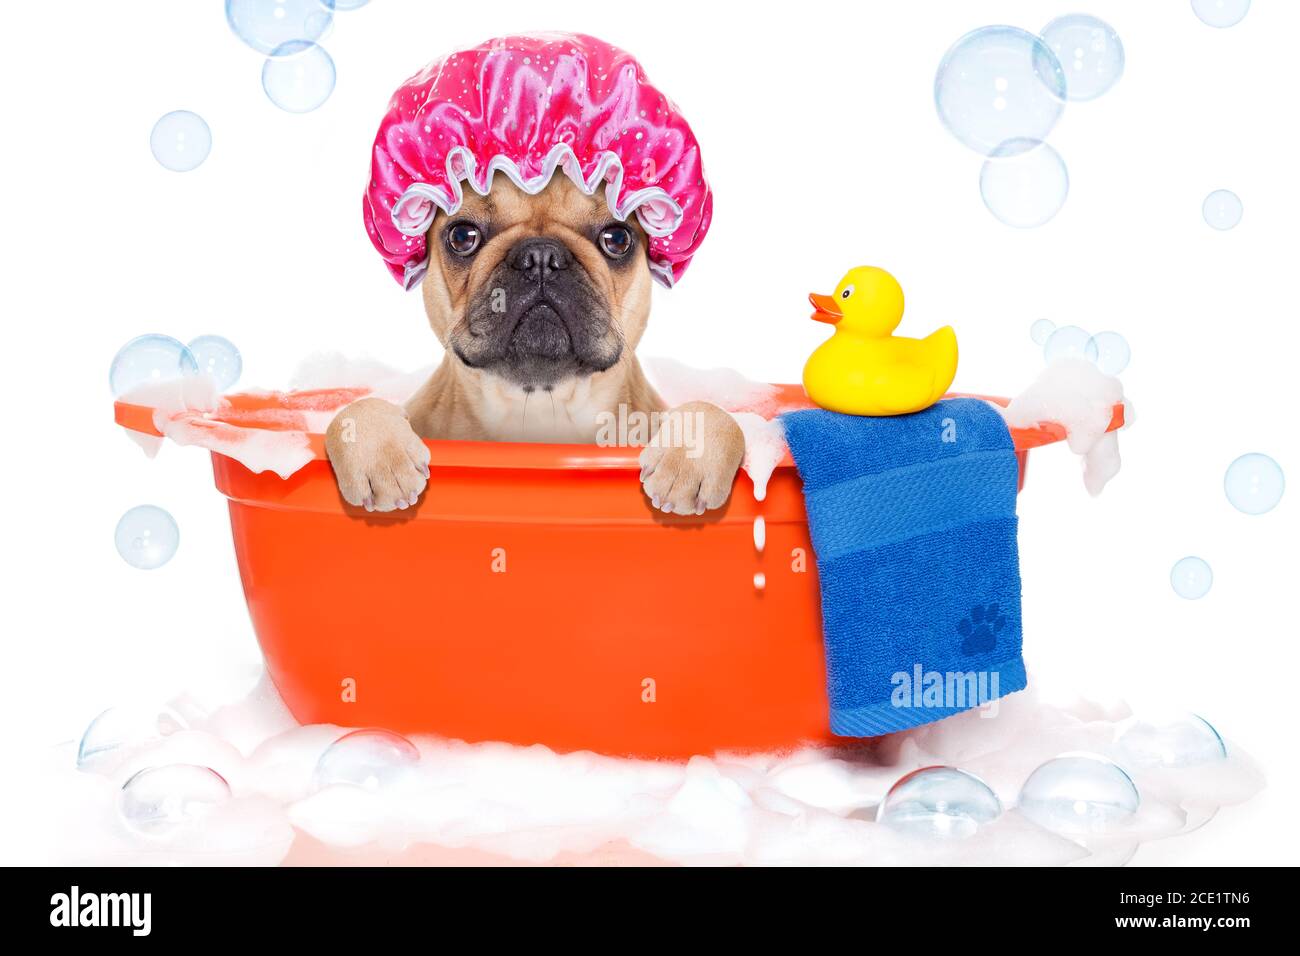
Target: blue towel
<point x="913" y="519"/>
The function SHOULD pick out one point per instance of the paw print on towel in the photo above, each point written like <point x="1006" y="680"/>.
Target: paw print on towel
<point x="980" y="629"/>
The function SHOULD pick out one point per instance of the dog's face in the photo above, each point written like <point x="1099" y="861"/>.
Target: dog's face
<point x="537" y="289"/>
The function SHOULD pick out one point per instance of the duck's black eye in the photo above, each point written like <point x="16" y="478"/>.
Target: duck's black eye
<point x="616" y="241"/>
<point x="848" y="291"/>
<point x="464" y="238"/>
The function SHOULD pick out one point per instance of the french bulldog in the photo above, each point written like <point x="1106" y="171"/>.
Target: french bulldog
<point x="539" y="302"/>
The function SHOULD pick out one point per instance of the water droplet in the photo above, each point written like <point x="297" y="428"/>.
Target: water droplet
<point x="1221" y="13"/>
<point x="118" y="731"/>
<point x="939" y="802"/>
<point x="219" y="358"/>
<point x="1177" y="740"/>
<point x="1254" y="483"/>
<point x="180" y="141"/>
<point x="147" y="360"/>
<point x="1222" y="209"/>
<point x="146" y="537"/>
<point x="159" y="801"/>
<point x="1090" y="53"/>
<point x="999" y="84"/>
<point x="1070" y="341"/>
<point x="1113" y="353"/>
<point x="1024" y="183"/>
<point x="299" y="77"/>
<point x="268" y="26"/>
<point x="1191" y="578"/>
<point x="370" y="759"/>
<point x="1079" y="794"/>
<point x="760" y="533"/>
<point x="760" y="581"/>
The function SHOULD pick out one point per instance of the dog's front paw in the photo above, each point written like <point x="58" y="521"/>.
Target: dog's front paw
<point x="689" y="466"/>
<point x="379" y="461"/>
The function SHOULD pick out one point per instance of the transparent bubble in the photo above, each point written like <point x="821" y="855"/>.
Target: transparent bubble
<point x="1070" y="341"/>
<point x="1254" y="483"/>
<point x="1222" y="209"/>
<point x="346" y="4"/>
<point x="147" y="537"/>
<point x="219" y="358"/>
<point x="370" y="759"/>
<point x="180" y="141"/>
<point x="1024" y="183"/>
<point x="1112" y="350"/>
<point x="159" y="801"/>
<point x="940" y="802"/>
<point x="1221" y="13"/>
<point x="267" y="25"/>
<point x="1176" y="740"/>
<point x="116" y="732"/>
<point x="1079" y="793"/>
<point x="1089" y="51"/>
<point x="1191" y="578"/>
<point x="148" y="359"/>
<point x="998" y="84"/>
<point x="1041" y="331"/>
<point x="299" y="77"/>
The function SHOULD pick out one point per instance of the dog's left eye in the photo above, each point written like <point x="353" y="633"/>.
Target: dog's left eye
<point x="463" y="238"/>
<point x="616" y="241"/>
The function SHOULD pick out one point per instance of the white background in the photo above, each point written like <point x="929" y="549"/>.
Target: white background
<point x="824" y="150"/>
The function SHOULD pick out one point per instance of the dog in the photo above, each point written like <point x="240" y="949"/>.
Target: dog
<point x="539" y="302"/>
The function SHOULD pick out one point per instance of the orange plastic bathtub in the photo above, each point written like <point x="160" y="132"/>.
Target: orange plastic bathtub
<point x="534" y="596"/>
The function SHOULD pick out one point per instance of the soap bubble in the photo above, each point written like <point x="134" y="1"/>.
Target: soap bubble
<point x="267" y="25"/>
<point x="147" y="537"/>
<point x="117" y="731"/>
<point x="158" y="801"/>
<point x="1222" y="209"/>
<point x="148" y="359"/>
<point x="370" y="759"/>
<point x="180" y="141"/>
<point x="1221" y="13"/>
<point x="1041" y="331"/>
<point x="1112" y="350"/>
<point x="346" y="4"/>
<point x="1070" y="341"/>
<point x="1089" y="51"/>
<point x="998" y="84"/>
<point x="1254" y="483"/>
<point x="1024" y="183"/>
<point x="1079" y="793"/>
<point x="219" y="358"/>
<point x="1191" y="578"/>
<point x="1179" y="740"/>
<point x="299" y="77"/>
<point x="939" y="801"/>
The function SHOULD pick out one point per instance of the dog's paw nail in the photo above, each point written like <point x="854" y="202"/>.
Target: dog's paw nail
<point x="668" y="507"/>
<point x="654" y="502"/>
<point x="415" y="496"/>
<point x="400" y="504"/>
<point x="368" y="504"/>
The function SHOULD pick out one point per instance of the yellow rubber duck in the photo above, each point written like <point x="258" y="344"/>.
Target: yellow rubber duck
<point x="864" y="369"/>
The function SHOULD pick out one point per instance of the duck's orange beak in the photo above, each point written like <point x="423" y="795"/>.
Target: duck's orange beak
<point x="826" y="309"/>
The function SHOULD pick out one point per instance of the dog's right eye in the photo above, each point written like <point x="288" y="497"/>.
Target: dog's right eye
<point x="464" y="238"/>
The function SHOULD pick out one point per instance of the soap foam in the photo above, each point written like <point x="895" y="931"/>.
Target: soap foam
<point x="815" y="805"/>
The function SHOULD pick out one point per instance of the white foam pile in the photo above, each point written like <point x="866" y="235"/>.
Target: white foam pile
<point x="1070" y="392"/>
<point x="531" y="805"/>
<point x="1076" y="394"/>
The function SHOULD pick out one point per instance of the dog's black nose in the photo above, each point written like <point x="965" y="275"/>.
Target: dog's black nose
<point x="539" y="257"/>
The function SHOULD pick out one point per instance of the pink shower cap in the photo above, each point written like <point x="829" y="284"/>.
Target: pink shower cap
<point x="526" y="106"/>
